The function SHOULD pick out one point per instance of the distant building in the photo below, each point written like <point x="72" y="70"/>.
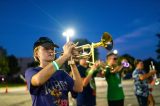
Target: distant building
<point x="23" y="63"/>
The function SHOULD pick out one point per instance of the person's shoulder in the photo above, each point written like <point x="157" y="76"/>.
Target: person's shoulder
<point x="135" y="71"/>
<point x="79" y="66"/>
<point x="32" y="69"/>
<point x="29" y="69"/>
<point x="138" y="72"/>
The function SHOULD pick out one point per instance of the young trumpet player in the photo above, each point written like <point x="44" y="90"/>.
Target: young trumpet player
<point x="48" y="85"/>
<point x="141" y="83"/>
<point x="88" y="96"/>
<point x="115" y="94"/>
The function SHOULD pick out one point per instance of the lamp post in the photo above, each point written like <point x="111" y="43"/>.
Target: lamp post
<point x="68" y="33"/>
<point x="115" y="51"/>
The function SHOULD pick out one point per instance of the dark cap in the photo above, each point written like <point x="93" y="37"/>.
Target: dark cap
<point x="43" y="40"/>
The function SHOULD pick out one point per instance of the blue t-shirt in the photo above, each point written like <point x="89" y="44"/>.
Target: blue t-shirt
<point x="87" y="97"/>
<point x="54" y="92"/>
<point x="140" y="86"/>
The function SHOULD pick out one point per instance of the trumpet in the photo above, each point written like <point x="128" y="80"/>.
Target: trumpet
<point x="101" y="68"/>
<point x="106" y="42"/>
<point x="152" y="67"/>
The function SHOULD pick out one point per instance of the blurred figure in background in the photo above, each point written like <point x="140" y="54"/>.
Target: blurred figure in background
<point x="141" y="83"/>
<point x="115" y="94"/>
<point x="88" y="96"/>
<point x="151" y="83"/>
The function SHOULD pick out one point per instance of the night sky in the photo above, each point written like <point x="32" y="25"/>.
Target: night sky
<point x="133" y="24"/>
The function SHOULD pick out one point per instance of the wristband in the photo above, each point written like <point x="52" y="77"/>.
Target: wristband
<point x="90" y="72"/>
<point x="55" y="65"/>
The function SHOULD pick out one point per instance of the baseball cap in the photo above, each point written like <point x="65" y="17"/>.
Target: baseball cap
<point x="43" y="41"/>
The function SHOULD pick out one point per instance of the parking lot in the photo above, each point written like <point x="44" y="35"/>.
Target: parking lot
<point x="19" y="96"/>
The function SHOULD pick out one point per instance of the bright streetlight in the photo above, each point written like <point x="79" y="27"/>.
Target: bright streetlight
<point x="68" y="33"/>
<point x="115" y="51"/>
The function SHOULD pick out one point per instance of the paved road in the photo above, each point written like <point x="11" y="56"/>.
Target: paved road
<point x="20" y="97"/>
<point x="130" y="99"/>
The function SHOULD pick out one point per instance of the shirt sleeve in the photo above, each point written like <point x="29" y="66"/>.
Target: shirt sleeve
<point x="135" y="74"/>
<point x="28" y="76"/>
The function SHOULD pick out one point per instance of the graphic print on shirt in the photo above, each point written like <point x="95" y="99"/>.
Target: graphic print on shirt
<point x="57" y="90"/>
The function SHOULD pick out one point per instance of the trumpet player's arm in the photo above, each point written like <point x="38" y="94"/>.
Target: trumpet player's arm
<point x="88" y="77"/>
<point x="147" y="75"/>
<point x="117" y="69"/>
<point x="93" y="68"/>
<point x="78" y="84"/>
<point x="43" y="75"/>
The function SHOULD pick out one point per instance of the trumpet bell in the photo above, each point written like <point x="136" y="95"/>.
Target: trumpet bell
<point x="107" y="41"/>
<point x="106" y="37"/>
<point x="110" y="46"/>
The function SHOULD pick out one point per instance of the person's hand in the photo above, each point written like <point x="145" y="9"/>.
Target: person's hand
<point x="117" y="69"/>
<point x="103" y="65"/>
<point x="153" y="72"/>
<point x="95" y="65"/>
<point x="75" y="53"/>
<point x="68" y="48"/>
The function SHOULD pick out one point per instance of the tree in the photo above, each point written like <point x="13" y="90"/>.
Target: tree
<point x="13" y="65"/>
<point x="3" y="62"/>
<point x="147" y="62"/>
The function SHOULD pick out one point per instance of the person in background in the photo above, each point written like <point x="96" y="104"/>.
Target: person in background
<point x="141" y="83"/>
<point x="88" y="96"/>
<point x="151" y="83"/>
<point x="48" y="85"/>
<point x="115" y="94"/>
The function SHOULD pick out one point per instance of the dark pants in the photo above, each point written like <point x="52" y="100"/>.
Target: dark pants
<point x="142" y="100"/>
<point x="116" y="103"/>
